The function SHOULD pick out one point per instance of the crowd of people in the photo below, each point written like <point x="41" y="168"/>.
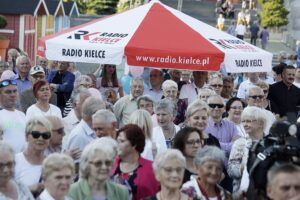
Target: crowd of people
<point x="67" y="136"/>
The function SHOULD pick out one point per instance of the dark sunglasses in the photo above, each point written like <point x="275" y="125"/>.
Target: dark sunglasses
<point x="5" y="83"/>
<point x="37" y="134"/>
<point x="257" y="96"/>
<point x="212" y="105"/>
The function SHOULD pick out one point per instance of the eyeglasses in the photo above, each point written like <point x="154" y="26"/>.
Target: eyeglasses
<point x="257" y="97"/>
<point x="248" y="121"/>
<point x="5" y="83"/>
<point x="100" y="163"/>
<point x="193" y="142"/>
<point x="204" y="97"/>
<point x="60" y="131"/>
<point x="7" y="164"/>
<point x="236" y="107"/>
<point x="212" y="105"/>
<point x="216" y="85"/>
<point x="169" y="170"/>
<point x="37" y="134"/>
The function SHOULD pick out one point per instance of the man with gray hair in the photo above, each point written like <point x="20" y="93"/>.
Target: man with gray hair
<point x="104" y="123"/>
<point x="127" y="104"/>
<point x="83" y="133"/>
<point x="255" y="97"/>
<point x="284" y="182"/>
<point x="22" y="76"/>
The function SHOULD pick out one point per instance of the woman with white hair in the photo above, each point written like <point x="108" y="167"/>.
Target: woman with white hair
<point x="170" y="90"/>
<point x="96" y="163"/>
<point x="9" y="187"/>
<point x="29" y="162"/>
<point x="254" y="122"/>
<point x="169" y="169"/>
<point x="165" y="111"/>
<point x="58" y="170"/>
<point x="209" y="162"/>
<point x="205" y="93"/>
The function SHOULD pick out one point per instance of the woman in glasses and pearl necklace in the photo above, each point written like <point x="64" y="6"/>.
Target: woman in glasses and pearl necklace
<point x="29" y="162"/>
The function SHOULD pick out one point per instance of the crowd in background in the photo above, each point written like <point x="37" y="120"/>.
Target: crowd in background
<point x="66" y="135"/>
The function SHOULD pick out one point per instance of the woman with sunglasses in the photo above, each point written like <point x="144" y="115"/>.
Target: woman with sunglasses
<point x="108" y="83"/>
<point x="188" y="140"/>
<point x="29" y="162"/>
<point x="42" y="107"/>
<point x="96" y="163"/>
<point x="9" y="187"/>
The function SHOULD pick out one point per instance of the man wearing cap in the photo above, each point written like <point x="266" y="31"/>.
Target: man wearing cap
<point x="27" y="98"/>
<point x="11" y="120"/>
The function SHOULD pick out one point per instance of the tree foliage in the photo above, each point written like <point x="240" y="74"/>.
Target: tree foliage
<point x="102" y="7"/>
<point x="273" y="14"/>
<point x="124" y="5"/>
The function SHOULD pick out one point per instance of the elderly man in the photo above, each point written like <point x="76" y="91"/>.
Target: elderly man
<point x="284" y="182"/>
<point x="284" y="95"/>
<point x="83" y="133"/>
<point x="27" y="98"/>
<point x="43" y="62"/>
<point x="255" y="97"/>
<point x="22" y="77"/>
<point x="11" y="120"/>
<point x="62" y="83"/>
<point x="224" y="130"/>
<point x="253" y="78"/>
<point x="189" y="92"/>
<point x="155" y="90"/>
<point x="104" y="123"/>
<point x="57" y="133"/>
<point x="73" y="118"/>
<point x="12" y="54"/>
<point x="127" y="104"/>
<point x="145" y="102"/>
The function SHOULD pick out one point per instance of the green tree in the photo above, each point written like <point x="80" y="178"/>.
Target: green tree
<point x="273" y="14"/>
<point x="102" y="7"/>
<point x="81" y="4"/>
<point x="124" y="5"/>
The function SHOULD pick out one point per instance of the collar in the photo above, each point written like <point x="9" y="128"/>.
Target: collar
<point x="87" y="129"/>
<point x="17" y="77"/>
<point x="45" y="195"/>
<point x="131" y="98"/>
<point x="211" y="121"/>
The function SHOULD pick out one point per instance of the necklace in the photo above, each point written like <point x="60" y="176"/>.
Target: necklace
<point x="161" y="197"/>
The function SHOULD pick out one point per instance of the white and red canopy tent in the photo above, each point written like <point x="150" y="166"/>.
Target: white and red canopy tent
<point x="158" y="36"/>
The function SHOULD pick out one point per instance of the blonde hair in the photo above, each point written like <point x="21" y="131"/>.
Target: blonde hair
<point x="143" y="119"/>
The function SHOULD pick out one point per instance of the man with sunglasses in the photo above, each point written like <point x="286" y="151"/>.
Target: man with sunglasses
<point x="255" y="97"/>
<point x="11" y="120"/>
<point x="224" y="130"/>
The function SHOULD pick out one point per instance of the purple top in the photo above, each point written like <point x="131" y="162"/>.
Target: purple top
<point x="225" y="132"/>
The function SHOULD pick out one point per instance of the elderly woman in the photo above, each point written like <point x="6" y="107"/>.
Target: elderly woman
<point x="96" y="164"/>
<point x="216" y="83"/>
<point x="170" y="90"/>
<point x="29" y="162"/>
<point x="188" y="141"/>
<point x="42" y="107"/>
<point x="265" y="87"/>
<point x="254" y="121"/>
<point x="57" y="172"/>
<point x="9" y="187"/>
<point x="197" y="117"/>
<point x="234" y="108"/>
<point x="204" y="93"/>
<point x="82" y="81"/>
<point x="209" y="162"/>
<point x="130" y="168"/>
<point x="169" y="169"/>
<point x="165" y="111"/>
<point x="143" y="119"/>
